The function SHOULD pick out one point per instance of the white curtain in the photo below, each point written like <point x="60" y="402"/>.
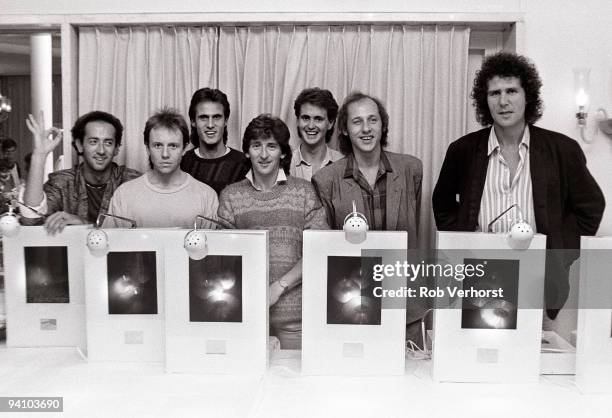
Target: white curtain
<point x="419" y="71"/>
<point x="132" y="72"/>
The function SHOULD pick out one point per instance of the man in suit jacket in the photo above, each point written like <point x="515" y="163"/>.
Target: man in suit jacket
<point x="515" y="162"/>
<point x="385" y="186"/>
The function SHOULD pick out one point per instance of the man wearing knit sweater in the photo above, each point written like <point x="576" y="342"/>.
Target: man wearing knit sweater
<point x="212" y="161"/>
<point x="284" y="206"/>
<point x="166" y="196"/>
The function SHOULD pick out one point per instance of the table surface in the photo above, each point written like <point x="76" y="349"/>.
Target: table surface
<point x="145" y="390"/>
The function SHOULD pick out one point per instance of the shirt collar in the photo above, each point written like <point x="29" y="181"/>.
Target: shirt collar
<point x="384" y="165"/>
<point x="197" y="152"/>
<point x="494" y="142"/>
<point x="299" y="160"/>
<point x="281" y="177"/>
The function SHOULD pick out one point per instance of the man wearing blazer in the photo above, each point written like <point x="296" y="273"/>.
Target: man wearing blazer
<point x="385" y="186"/>
<point x="515" y="162"/>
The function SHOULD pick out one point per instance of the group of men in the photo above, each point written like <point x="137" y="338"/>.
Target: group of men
<point x="270" y="186"/>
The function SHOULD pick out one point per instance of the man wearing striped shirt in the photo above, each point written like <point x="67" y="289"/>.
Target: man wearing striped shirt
<point x="514" y="162"/>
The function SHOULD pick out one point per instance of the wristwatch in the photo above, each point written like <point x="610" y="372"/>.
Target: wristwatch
<point x="283" y="284"/>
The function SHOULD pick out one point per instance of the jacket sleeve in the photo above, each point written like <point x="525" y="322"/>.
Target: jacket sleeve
<point x="585" y="196"/>
<point x="444" y="199"/>
<point x="323" y="187"/>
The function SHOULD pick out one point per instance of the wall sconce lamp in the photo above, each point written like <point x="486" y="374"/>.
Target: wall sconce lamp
<point x="97" y="239"/>
<point x="5" y="107"/>
<point x="581" y="85"/>
<point x="355" y="226"/>
<point x="520" y="235"/>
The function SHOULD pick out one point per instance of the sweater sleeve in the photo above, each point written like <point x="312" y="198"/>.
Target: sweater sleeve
<point x="225" y="212"/>
<point x="314" y="214"/>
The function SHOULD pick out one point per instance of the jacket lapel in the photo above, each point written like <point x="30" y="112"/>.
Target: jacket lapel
<point x="353" y="193"/>
<point x="538" y="164"/>
<point x="479" y="174"/>
<point x="394" y="197"/>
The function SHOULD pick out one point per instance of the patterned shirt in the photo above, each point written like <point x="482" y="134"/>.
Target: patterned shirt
<point x="374" y="199"/>
<point x="66" y="190"/>
<point x="303" y="169"/>
<point x="500" y="191"/>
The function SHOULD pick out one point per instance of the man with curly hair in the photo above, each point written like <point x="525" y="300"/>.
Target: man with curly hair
<point x="511" y="161"/>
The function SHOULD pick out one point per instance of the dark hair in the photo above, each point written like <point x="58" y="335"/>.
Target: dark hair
<point x="167" y="118"/>
<point x="321" y="98"/>
<point x="267" y="126"/>
<point x="207" y="95"/>
<point x="8" y="143"/>
<point x="78" y="130"/>
<point x="506" y="64"/>
<point x="344" y="141"/>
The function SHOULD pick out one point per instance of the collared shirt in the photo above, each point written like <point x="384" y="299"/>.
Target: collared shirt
<point x="281" y="177"/>
<point x="374" y="198"/>
<point x="66" y="190"/>
<point x="303" y="169"/>
<point x="500" y="191"/>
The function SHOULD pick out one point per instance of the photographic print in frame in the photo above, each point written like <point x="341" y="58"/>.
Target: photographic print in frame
<point x="132" y="283"/>
<point x="46" y="274"/>
<point x="45" y="287"/>
<point x="491" y="312"/>
<point x="216" y="308"/>
<point x="497" y="330"/>
<point x="348" y="329"/>
<point x="350" y="286"/>
<point x="215" y="289"/>
<point x="125" y="297"/>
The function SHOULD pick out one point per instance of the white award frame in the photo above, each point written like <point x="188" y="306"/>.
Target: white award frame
<point x="339" y="349"/>
<point x="124" y="337"/>
<point x="218" y="347"/>
<point x="44" y="324"/>
<point x="491" y="355"/>
<point x="594" y="340"/>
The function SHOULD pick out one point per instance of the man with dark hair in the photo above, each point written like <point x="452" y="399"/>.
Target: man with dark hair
<point x="511" y="161"/>
<point x="386" y="187"/>
<point x="212" y="161"/>
<point x="284" y="206"/>
<point x="8" y="148"/>
<point x="166" y="196"/>
<point x="76" y="195"/>
<point x="316" y="111"/>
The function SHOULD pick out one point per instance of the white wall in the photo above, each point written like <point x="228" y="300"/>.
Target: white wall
<point x="229" y="6"/>
<point x="559" y="36"/>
